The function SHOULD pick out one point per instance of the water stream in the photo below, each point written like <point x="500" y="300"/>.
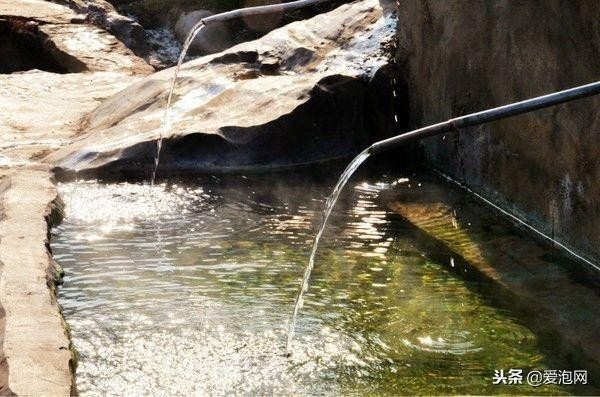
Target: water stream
<point x="383" y="315"/>
<point x="329" y="205"/>
<point x="344" y="178"/>
<point x="385" y="318"/>
<point x="167" y="122"/>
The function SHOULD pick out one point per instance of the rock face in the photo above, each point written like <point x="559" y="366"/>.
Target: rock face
<point x="54" y="68"/>
<point x="104" y="15"/>
<point x="38" y="357"/>
<point x="41" y="108"/>
<point x="298" y="95"/>
<point x="57" y="33"/>
<point x="544" y="165"/>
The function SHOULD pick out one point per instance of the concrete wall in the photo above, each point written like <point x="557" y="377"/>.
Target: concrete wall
<point x="463" y="56"/>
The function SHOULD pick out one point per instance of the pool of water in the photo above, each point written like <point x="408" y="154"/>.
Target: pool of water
<point x="190" y="291"/>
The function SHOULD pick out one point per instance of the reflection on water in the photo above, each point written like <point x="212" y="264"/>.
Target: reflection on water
<point x="329" y="206"/>
<point x="208" y="311"/>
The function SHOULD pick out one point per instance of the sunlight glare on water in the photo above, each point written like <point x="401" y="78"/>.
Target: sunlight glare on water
<point x="381" y="316"/>
<point x="329" y="205"/>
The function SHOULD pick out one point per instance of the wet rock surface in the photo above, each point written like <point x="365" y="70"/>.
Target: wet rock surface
<point x="296" y="96"/>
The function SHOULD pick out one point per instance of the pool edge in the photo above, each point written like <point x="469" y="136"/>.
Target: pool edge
<point x="37" y="345"/>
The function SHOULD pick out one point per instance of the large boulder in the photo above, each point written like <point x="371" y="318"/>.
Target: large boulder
<point x="298" y="95"/>
<point x="103" y="14"/>
<point x="54" y="69"/>
<point x="64" y="39"/>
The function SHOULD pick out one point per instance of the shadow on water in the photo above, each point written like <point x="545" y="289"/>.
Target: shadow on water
<point x="384" y="314"/>
<point x="508" y="265"/>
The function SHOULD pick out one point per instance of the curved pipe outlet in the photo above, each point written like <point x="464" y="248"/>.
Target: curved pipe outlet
<point x="485" y="116"/>
<point x="258" y="10"/>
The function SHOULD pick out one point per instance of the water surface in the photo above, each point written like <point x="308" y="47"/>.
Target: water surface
<point x="196" y="298"/>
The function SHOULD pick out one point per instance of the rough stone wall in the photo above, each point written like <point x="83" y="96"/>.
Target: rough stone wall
<point x="464" y="56"/>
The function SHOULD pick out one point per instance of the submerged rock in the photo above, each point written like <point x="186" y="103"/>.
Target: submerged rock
<point x="298" y="95"/>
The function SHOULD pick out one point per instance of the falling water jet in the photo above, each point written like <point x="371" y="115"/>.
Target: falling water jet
<point x="346" y="175"/>
<point x="454" y="124"/>
<point x="166" y="127"/>
<point x="224" y="16"/>
<point x="166" y="124"/>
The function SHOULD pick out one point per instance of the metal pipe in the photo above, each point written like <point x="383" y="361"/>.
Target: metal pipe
<point x="489" y="115"/>
<point x="258" y="10"/>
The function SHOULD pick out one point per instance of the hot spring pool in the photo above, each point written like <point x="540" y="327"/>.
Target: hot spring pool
<point x="190" y="292"/>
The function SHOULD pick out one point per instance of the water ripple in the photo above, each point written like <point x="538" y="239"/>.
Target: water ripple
<point x="204" y="308"/>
